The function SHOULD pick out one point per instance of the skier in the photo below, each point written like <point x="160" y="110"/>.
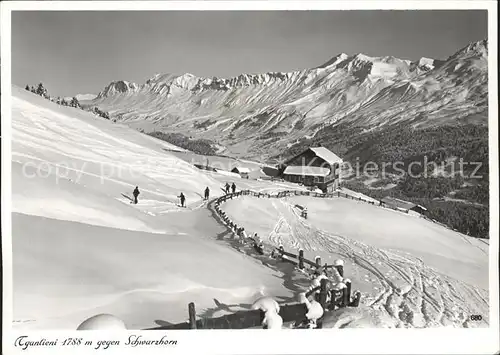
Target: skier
<point x="183" y="199"/>
<point x="136" y="194"/>
<point x="233" y="187"/>
<point x="207" y="193"/>
<point x="227" y="187"/>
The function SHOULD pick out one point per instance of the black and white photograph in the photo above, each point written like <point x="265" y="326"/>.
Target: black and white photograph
<point x="265" y="168"/>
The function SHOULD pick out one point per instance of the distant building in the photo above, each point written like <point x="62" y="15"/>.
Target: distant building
<point x="314" y="167"/>
<point x="402" y="205"/>
<point x="243" y="172"/>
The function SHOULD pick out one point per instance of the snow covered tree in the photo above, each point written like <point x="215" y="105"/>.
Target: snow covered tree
<point x="74" y="103"/>
<point x="105" y="115"/>
<point x="101" y="113"/>
<point x="41" y="90"/>
<point x="33" y="90"/>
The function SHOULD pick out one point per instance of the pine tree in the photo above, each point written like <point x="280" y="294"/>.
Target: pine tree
<point x="74" y="103"/>
<point x="27" y="88"/>
<point x="41" y="90"/>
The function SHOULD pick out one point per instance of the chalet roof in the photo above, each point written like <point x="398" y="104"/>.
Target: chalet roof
<point x="396" y="202"/>
<point x="306" y="170"/>
<point x="322" y="153"/>
<point x="326" y="155"/>
<point x="241" y="169"/>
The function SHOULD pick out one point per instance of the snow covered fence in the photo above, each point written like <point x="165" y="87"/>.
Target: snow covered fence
<point x="290" y="257"/>
<point x="340" y="297"/>
<point x="291" y="312"/>
<point x="288" y="193"/>
<point x="245" y="319"/>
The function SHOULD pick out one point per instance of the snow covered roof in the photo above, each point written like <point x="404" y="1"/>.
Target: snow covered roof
<point x="227" y="173"/>
<point x="241" y="169"/>
<point x="306" y="170"/>
<point x="396" y="202"/>
<point x="326" y="155"/>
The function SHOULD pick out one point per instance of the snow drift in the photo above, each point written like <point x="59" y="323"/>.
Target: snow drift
<point x="81" y="248"/>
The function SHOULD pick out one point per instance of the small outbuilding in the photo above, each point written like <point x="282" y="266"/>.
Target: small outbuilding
<point x="242" y="171"/>
<point x="406" y="206"/>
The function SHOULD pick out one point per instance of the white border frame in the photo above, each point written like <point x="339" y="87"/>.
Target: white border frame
<point x="370" y="341"/>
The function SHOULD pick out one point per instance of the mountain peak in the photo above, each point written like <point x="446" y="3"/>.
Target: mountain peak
<point x="335" y="60"/>
<point x="479" y="48"/>
<point x="118" y="87"/>
<point x="363" y="57"/>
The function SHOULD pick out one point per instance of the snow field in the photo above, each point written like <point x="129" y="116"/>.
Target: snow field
<point x="81" y="248"/>
<point x="388" y="256"/>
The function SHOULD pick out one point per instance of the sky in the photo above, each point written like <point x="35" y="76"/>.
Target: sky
<point x="80" y="52"/>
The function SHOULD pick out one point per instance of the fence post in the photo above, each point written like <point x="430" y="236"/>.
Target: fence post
<point x="346" y="293"/>
<point x="318" y="261"/>
<point x="281" y="249"/>
<point x="192" y="316"/>
<point x="301" y="259"/>
<point x="339" y="265"/>
<point x="356" y="299"/>
<point x="323" y="292"/>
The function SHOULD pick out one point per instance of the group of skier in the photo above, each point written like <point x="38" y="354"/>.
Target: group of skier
<point x="182" y="197"/>
<point x="228" y="187"/>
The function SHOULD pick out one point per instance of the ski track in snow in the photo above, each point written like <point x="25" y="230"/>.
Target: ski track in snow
<point x="411" y="293"/>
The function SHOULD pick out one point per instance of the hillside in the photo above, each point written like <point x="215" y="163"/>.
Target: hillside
<point x="412" y="271"/>
<point x="81" y="248"/>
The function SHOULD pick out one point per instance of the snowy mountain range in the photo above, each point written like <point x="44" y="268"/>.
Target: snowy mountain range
<point x="262" y="114"/>
<point x="85" y="97"/>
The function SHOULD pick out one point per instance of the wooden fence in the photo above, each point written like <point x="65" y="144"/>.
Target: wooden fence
<point x="330" y="299"/>
<point x="289" y="193"/>
<point x="295" y="312"/>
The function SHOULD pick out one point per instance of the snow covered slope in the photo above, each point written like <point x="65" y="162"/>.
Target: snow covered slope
<point x="79" y="246"/>
<point x="412" y="272"/>
<point x="259" y="114"/>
